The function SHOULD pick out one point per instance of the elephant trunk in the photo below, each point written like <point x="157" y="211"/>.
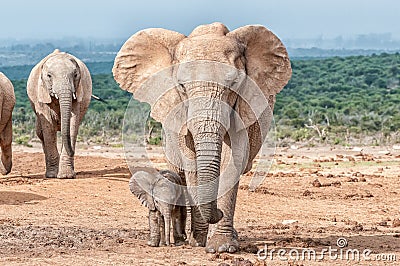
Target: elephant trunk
<point x="208" y="146"/>
<point x="65" y="100"/>
<point x="208" y="125"/>
<point x="208" y="158"/>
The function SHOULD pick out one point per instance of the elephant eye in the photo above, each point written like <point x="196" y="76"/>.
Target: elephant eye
<point x="49" y="76"/>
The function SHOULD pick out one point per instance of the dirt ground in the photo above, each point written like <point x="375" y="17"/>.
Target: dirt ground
<point x="310" y="199"/>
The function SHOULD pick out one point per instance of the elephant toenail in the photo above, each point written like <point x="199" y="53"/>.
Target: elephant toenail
<point x="221" y="249"/>
<point x="210" y="250"/>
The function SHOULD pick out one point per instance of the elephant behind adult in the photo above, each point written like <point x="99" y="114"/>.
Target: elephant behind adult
<point x="7" y="102"/>
<point x="59" y="89"/>
<point x="213" y="92"/>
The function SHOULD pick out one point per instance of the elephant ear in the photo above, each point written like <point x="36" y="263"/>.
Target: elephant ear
<point x="35" y="83"/>
<point x="141" y="186"/>
<point x="144" y="54"/>
<point x="85" y="82"/>
<point x="267" y="64"/>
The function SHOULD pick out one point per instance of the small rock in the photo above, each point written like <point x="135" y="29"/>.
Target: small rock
<point x="253" y="249"/>
<point x="357" y="228"/>
<point x="286" y="222"/>
<point x="396" y="223"/>
<point x="307" y="193"/>
<point x="316" y="183"/>
<point x="351" y="159"/>
<point x="241" y="262"/>
<point x="383" y="223"/>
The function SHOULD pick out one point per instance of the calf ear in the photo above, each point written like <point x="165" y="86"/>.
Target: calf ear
<point x="140" y="186"/>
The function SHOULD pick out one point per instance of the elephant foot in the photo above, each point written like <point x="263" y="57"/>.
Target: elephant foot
<point x="51" y="173"/>
<point x="223" y="242"/>
<point x="180" y="240"/>
<point x="4" y="170"/>
<point x="66" y="174"/>
<point x="198" y="238"/>
<point x="152" y="243"/>
<point x="5" y="164"/>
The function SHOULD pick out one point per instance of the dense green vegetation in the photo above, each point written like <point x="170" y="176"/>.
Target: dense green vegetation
<point x="335" y="100"/>
<point x="344" y="98"/>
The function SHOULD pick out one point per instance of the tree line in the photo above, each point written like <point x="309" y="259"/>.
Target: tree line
<point x="338" y="100"/>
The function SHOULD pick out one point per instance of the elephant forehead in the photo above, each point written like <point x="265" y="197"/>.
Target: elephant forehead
<point x="207" y="47"/>
<point x="214" y="28"/>
<point x="60" y="63"/>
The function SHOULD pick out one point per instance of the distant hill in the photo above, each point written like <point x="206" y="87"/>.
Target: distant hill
<point x="337" y="100"/>
<point x="318" y="53"/>
<point x="22" y="72"/>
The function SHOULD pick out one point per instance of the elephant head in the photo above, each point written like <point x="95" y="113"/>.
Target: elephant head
<point x="160" y="192"/>
<point x="156" y="190"/>
<point x="58" y="78"/>
<point x="203" y="77"/>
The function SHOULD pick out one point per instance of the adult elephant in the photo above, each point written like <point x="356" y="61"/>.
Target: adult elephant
<point x="59" y="89"/>
<point x="213" y="91"/>
<point x="7" y="102"/>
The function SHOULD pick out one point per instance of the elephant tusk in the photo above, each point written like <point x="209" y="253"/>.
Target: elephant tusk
<point x="73" y="94"/>
<point x="55" y="95"/>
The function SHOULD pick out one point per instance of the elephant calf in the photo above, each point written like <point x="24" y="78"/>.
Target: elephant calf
<point x="160" y="191"/>
<point x="7" y="102"/>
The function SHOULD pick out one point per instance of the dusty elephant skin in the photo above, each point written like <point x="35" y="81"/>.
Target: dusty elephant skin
<point x="7" y="102"/>
<point x="226" y="118"/>
<point x="158" y="192"/>
<point x="59" y="89"/>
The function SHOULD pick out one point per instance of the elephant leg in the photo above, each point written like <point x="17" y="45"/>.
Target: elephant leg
<point x="6" y="149"/>
<point x="179" y="225"/>
<point x="154" y="239"/>
<point x="199" y="227"/>
<point x="225" y="237"/>
<point x="167" y="228"/>
<point x="48" y="136"/>
<point x="234" y="161"/>
<point x="66" y="161"/>
<point x="161" y="223"/>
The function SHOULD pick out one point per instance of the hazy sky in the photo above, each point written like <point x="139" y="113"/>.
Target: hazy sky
<point x="23" y="19"/>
